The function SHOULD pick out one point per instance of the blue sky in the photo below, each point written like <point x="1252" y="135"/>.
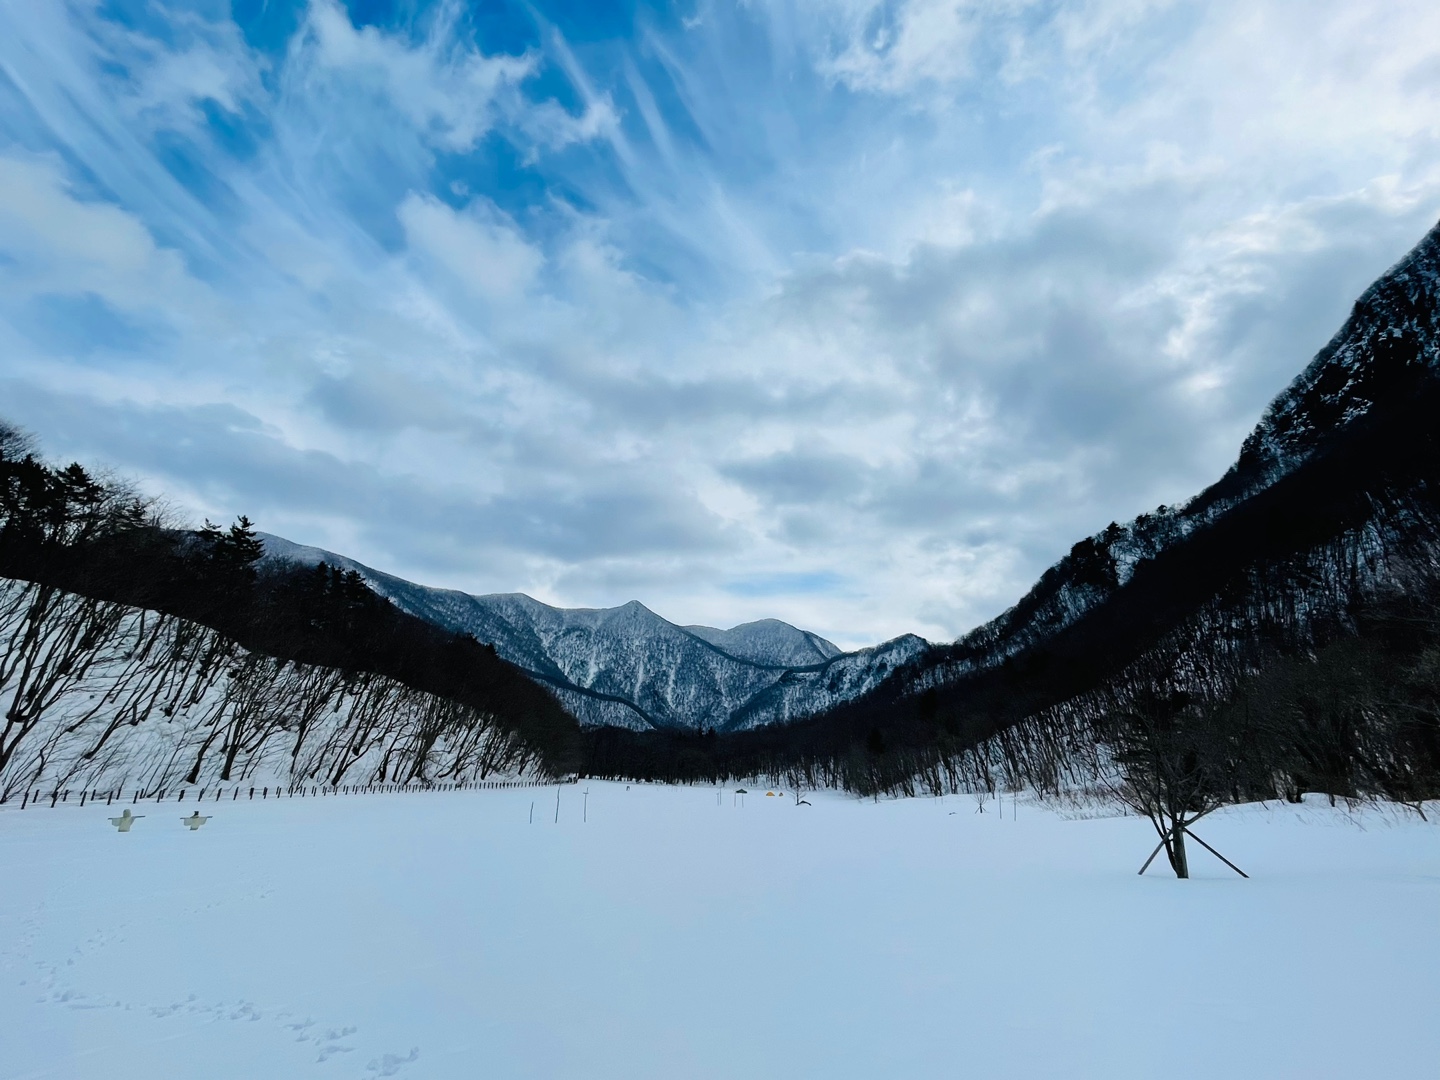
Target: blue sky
<point x="855" y="314"/>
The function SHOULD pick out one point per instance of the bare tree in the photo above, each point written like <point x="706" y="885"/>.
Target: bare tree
<point x="1178" y="760"/>
<point x="50" y="641"/>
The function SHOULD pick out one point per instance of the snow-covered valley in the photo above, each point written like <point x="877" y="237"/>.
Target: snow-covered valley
<point x="674" y="932"/>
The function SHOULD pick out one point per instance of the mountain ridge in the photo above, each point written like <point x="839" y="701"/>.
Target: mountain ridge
<point x="627" y="666"/>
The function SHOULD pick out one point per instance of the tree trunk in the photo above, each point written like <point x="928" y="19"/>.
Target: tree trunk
<point x="1177" y="849"/>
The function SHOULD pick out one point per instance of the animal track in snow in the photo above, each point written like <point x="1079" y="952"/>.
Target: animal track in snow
<point x="330" y="1041"/>
<point x="390" y="1064"/>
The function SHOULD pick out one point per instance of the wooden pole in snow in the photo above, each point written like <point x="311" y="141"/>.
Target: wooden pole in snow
<point x="1217" y="855"/>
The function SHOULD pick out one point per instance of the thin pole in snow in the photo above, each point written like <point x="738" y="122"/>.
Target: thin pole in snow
<point x="532" y="811"/>
<point x="585" y="808"/>
<point x="557" y="805"/>
<point x="1217" y="855"/>
<point x="1152" y="857"/>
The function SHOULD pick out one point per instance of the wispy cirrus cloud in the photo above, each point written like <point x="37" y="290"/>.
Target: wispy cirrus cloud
<point x="851" y="313"/>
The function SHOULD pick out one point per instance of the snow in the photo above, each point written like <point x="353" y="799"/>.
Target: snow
<point x="770" y="641"/>
<point x="676" y="933"/>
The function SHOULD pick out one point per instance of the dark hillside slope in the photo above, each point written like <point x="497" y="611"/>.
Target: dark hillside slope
<point x="1388" y="348"/>
<point x="1333" y="503"/>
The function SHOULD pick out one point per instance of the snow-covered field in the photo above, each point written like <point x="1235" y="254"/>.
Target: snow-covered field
<point x="676" y="935"/>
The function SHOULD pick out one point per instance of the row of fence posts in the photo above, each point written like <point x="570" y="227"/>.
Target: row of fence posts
<point x="57" y="797"/>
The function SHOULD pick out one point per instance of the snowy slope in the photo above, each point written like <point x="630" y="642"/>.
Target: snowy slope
<point x="628" y="667"/>
<point x="769" y="641"/>
<point x="136" y="699"/>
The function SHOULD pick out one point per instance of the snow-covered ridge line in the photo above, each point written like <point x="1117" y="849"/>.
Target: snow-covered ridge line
<point x="1392" y="333"/>
<point x="629" y="667"/>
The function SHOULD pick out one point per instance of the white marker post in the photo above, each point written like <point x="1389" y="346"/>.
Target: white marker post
<point x="125" y="820"/>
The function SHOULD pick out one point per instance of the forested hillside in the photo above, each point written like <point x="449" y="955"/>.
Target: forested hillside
<point x="131" y="652"/>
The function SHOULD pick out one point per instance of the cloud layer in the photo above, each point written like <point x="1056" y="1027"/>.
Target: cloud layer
<point x="855" y="314"/>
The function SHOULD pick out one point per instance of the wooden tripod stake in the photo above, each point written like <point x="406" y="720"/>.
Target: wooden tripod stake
<point x="1202" y="843"/>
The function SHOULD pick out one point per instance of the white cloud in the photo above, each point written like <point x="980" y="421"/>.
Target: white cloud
<point x="924" y="41"/>
<point x="447" y="89"/>
<point x="481" y="249"/>
<point x="55" y="242"/>
<point x="902" y="297"/>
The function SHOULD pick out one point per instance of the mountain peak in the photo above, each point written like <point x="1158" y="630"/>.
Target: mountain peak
<point x="769" y="641"/>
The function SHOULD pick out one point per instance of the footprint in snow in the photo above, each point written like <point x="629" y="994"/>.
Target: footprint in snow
<point x="390" y="1064"/>
<point x="245" y="1011"/>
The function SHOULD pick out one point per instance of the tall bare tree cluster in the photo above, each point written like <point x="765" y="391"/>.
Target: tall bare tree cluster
<point x="96" y="694"/>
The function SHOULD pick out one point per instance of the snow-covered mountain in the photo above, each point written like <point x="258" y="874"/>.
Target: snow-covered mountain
<point x="769" y="641"/>
<point x="628" y="667"/>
